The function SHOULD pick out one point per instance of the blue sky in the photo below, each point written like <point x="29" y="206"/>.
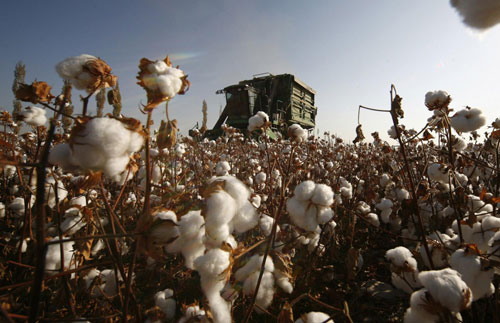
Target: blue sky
<point x="349" y="51"/>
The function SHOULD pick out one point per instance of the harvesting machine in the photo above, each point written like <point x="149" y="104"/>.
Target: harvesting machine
<point x="284" y="98"/>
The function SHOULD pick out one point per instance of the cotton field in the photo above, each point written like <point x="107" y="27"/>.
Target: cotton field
<point x="108" y="219"/>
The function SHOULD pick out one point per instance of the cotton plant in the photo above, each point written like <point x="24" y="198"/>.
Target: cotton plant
<point x="296" y="133"/>
<point x="467" y="120"/>
<point x="404" y="271"/>
<point x="34" y="116"/>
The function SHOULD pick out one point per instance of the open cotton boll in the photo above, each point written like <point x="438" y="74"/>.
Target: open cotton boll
<point x="164" y="300"/>
<point x="417" y="313"/>
<point x="304" y="191"/>
<point x="266" y="224"/>
<point x="447" y="288"/>
<point x="384" y="204"/>
<point x="193" y="313"/>
<point x="469" y="266"/>
<point x="345" y="188"/>
<point x="9" y="171"/>
<point x="2" y="210"/>
<point x="72" y="69"/>
<point x="438" y="172"/>
<point x="404" y="269"/>
<point x="34" y="116"/>
<point x="17" y="206"/>
<point x="78" y="200"/>
<point x="53" y="255"/>
<point x="467" y="120"/>
<point x="265" y="294"/>
<point x="322" y="195"/>
<point x="363" y="207"/>
<point x="257" y="121"/>
<point x="73" y="221"/>
<point x="373" y="219"/>
<point x="301" y="214"/>
<point x="479" y="14"/>
<point x="54" y="189"/>
<point x="222" y="168"/>
<point x="211" y="267"/>
<point x="437" y="99"/>
<point x="392" y="133"/>
<point x="190" y="241"/>
<point x="314" y="317"/>
<point x="260" y="178"/>
<point x="297" y="133"/>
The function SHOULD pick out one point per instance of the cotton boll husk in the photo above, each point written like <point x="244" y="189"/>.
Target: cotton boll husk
<point x="163" y="299"/>
<point x="479" y="14"/>
<point x="304" y="191"/>
<point x="469" y="266"/>
<point x="447" y="288"/>
<point x="467" y="120"/>
<point x="322" y="195"/>
<point x="314" y="317"/>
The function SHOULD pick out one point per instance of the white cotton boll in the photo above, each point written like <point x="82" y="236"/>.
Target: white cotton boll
<point x="385" y="215"/>
<point x="392" y="133"/>
<point x="297" y="133"/>
<point x="417" y="313"/>
<point x="222" y="168"/>
<point x="438" y="172"/>
<point x="469" y="266"/>
<point x="283" y="281"/>
<point x="190" y="241"/>
<point x="322" y="195"/>
<point x="71" y="69"/>
<point x="78" y="200"/>
<point x="211" y="267"/>
<point x="234" y="187"/>
<point x="373" y="219"/>
<point x="34" y="116"/>
<point x="314" y="317"/>
<point x="479" y="14"/>
<point x="384" y="204"/>
<point x="402" y="194"/>
<point x="53" y="190"/>
<point x="266" y="224"/>
<point x="260" y="178"/>
<point x="265" y="294"/>
<point x="245" y="218"/>
<point x="17" y="206"/>
<point x="363" y="207"/>
<point x="447" y="288"/>
<point x="164" y="300"/>
<point x="404" y="269"/>
<point x="9" y="171"/>
<point x="53" y="255"/>
<point x="324" y="214"/>
<point x="467" y="120"/>
<point x="384" y="180"/>
<point x="159" y="67"/>
<point x="304" y="191"/>
<point x="73" y="221"/>
<point x="436" y="99"/>
<point x="193" y="313"/>
<point x="459" y="144"/>
<point x="297" y="211"/>
<point x="257" y="121"/>
<point x="2" y="210"/>
<point x="256" y="200"/>
<point x="401" y="256"/>
<point x="99" y="245"/>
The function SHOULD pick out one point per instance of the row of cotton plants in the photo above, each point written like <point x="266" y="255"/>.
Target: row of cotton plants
<point x="110" y="219"/>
